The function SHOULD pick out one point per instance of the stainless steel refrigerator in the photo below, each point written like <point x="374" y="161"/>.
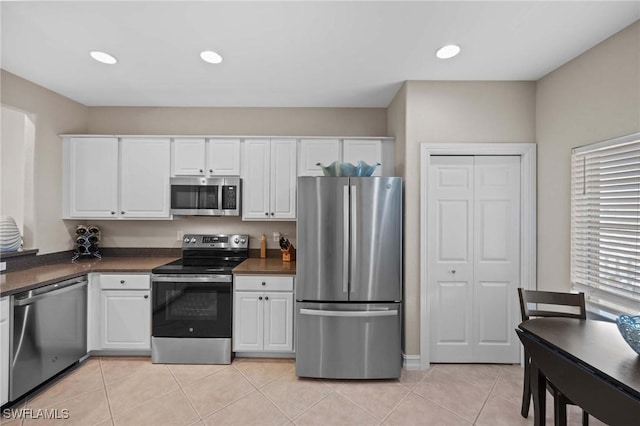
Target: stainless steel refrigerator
<point x="349" y="277"/>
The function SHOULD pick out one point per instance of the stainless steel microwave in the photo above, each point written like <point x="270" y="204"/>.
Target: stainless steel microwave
<point x="201" y="196"/>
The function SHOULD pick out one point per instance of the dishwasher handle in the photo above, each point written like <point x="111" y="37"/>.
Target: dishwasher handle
<point x="52" y="290"/>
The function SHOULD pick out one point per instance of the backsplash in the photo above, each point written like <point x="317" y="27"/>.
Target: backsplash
<point x="163" y="233"/>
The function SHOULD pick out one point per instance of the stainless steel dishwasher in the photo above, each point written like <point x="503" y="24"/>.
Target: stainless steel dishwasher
<point x="49" y="333"/>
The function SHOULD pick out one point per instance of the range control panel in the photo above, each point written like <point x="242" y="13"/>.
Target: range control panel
<point x="215" y="241"/>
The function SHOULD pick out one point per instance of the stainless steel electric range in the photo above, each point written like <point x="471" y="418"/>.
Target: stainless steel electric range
<point x="192" y="301"/>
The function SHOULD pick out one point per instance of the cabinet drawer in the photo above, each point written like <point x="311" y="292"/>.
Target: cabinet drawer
<point x="4" y="308"/>
<point x="264" y="282"/>
<point x="116" y="281"/>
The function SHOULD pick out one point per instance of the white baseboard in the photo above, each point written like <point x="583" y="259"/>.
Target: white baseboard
<point x="410" y="362"/>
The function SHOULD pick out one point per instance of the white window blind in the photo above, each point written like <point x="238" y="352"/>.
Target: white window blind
<point x="605" y="224"/>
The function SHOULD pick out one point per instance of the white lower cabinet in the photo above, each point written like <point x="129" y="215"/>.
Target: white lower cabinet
<point x="119" y="312"/>
<point x="126" y="316"/>
<point x="263" y="314"/>
<point x="4" y="350"/>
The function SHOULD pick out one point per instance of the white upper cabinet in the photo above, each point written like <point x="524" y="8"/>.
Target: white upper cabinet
<point x="188" y="157"/>
<point x="367" y="150"/>
<point x="206" y="157"/>
<point x="144" y="177"/>
<point x="91" y="177"/>
<point x="327" y="150"/>
<point x="314" y="151"/>
<point x="283" y="179"/>
<point x="107" y="178"/>
<point x="223" y="157"/>
<point x="269" y="179"/>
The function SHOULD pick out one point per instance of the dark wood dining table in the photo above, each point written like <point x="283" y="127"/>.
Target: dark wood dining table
<point x="589" y="362"/>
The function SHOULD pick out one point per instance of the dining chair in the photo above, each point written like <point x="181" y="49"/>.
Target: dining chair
<point x="555" y="306"/>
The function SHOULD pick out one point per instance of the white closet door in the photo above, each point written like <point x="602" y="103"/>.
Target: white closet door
<point x="496" y="258"/>
<point x="474" y="258"/>
<point x="450" y="254"/>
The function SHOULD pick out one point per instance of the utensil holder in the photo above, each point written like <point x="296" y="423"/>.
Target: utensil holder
<point x="288" y="254"/>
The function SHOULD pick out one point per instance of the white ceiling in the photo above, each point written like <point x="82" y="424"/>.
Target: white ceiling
<point x="296" y="53"/>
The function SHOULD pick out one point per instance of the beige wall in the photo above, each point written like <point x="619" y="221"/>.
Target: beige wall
<point x="594" y="97"/>
<point x="13" y="164"/>
<point x="52" y="114"/>
<point x="223" y="121"/>
<point x="449" y="112"/>
<point x="239" y="121"/>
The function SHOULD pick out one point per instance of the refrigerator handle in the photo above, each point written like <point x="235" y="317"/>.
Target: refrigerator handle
<point x="345" y="239"/>
<point x="354" y="229"/>
<point x="360" y="314"/>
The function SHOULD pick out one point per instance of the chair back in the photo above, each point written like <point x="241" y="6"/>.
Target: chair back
<point x="551" y="298"/>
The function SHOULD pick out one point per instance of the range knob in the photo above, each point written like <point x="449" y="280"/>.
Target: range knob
<point x="243" y="241"/>
<point x="236" y="240"/>
<point x="186" y="240"/>
<point x="193" y="240"/>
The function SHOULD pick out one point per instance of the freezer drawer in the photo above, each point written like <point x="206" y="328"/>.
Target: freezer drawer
<point x="348" y="341"/>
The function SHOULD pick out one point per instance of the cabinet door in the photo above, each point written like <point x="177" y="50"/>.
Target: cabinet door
<point x="144" y="177"/>
<point x="93" y="177"/>
<point x="283" y="179"/>
<point x="126" y="319"/>
<point x="188" y="157"/>
<point x="314" y="151"/>
<point x="278" y="322"/>
<point x="223" y="157"/>
<point x="4" y="351"/>
<point x="367" y="150"/>
<point x="255" y="175"/>
<point x="248" y="322"/>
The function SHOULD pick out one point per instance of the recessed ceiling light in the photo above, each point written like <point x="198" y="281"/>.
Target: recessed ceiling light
<point x="448" y="51"/>
<point x="211" y="57"/>
<point x="103" y="57"/>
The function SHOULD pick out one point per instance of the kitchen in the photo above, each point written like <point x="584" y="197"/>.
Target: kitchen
<point x="503" y="111"/>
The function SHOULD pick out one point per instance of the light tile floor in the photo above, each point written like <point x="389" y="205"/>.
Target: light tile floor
<point x="133" y="391"/>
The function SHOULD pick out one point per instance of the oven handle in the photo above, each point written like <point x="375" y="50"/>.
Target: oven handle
<point x="208" y="279"/>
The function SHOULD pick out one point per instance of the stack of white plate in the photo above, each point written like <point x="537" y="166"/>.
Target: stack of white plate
<point x="10" y="239"/>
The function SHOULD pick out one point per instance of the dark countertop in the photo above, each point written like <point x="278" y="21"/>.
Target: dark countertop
<point x="27" y="279"/>
<point x="269" y="266"/>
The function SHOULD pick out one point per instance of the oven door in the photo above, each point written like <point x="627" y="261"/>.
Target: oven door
<point x="191" y="306"/>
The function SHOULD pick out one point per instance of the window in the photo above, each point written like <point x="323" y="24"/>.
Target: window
<point x="605" y="224"/>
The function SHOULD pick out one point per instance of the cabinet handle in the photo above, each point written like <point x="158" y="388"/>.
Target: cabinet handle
<point x="113" y="212"/>
<point x="266" y="214"/>
<point x="264" y="283"/>
<point x="266" y="298"/>
<point x="121" y="281"/>
<point x="146" y="296"/>
<point x="210" y="170"/>
<point x="272" y="213"/>
<point x="122" y="212"/>
<point x="260" y="298"/>
<point x="200" y="170"/>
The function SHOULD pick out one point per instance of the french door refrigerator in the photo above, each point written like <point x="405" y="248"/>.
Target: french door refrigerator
<point x="349" y="277"/>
